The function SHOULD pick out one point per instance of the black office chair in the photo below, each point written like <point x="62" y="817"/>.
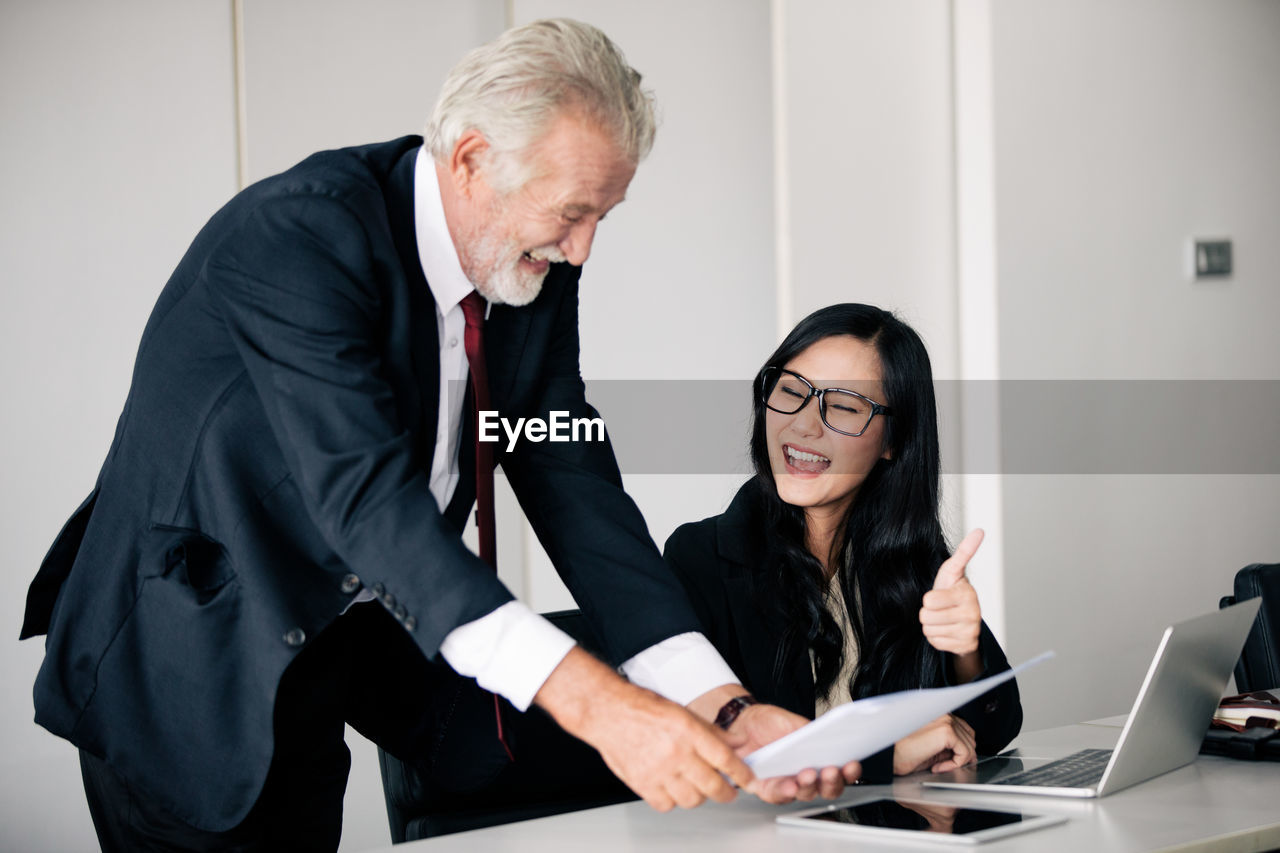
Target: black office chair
<point x="558" y="774"/>
<point x="1259" y="664"/>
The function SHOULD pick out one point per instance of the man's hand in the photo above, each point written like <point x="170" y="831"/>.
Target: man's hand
<point x="951" y="617"/>
<point x="758" y="725"/>
<point x="945" y="744"/>
<point x="661" y="751"/>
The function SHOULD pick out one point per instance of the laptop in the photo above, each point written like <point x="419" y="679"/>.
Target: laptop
<point x="1165" y="728"/>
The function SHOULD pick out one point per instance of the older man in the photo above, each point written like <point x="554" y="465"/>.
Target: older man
<point x="272" y="548"/>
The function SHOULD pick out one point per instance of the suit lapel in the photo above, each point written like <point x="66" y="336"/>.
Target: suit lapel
<point x="505" y="334"/>
<point x="424" y="341"/>
<point x="465" y="493"/>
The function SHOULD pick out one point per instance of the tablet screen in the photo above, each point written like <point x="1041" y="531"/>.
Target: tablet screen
<point x="925" y="817"/>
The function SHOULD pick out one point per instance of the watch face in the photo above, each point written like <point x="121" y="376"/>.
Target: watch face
<point x="731" y="709"/>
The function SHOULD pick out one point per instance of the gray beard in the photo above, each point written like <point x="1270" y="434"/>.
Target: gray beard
<point x="509" y="285"/>
<point x="499" y="278"/>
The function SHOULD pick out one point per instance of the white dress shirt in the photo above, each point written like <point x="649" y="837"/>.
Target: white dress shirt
<point x="513" y="650"/>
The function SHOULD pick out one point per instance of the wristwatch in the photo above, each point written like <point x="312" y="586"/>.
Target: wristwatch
<point x="731" y="709"/>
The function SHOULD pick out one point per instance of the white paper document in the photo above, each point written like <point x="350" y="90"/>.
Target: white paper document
<point x="855" y="730"/>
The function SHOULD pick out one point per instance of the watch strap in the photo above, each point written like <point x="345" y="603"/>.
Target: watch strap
<point x="730" y="710"/>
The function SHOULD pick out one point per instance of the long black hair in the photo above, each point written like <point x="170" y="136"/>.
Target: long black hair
<point x="890" y="543"/>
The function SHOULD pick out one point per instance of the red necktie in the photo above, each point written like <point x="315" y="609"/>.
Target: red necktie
<point x="473" y="342"/>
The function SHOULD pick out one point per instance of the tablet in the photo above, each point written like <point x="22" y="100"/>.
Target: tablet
<point x="919" y="820"/>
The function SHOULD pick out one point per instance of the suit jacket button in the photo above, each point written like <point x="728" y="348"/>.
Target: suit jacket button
<point x="379" y="589"/>
<point x="401" y="612"/>
<point x="389" y="600"/>
<point x="991" y="706"/>
<point x="350" y="583"/>
<point x="295" y="637"/>
<point x="410" y="623"/>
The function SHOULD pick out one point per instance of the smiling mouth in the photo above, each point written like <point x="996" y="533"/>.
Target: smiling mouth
<point x="541" y="257"/>
<point x="804" y="462"/>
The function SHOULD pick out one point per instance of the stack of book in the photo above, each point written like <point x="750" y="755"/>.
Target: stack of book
<point x="1246" y="726"/>
<point x="1260" y="709"/>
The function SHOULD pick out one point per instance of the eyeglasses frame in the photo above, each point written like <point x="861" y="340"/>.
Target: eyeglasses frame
<point x="820" y="393"/>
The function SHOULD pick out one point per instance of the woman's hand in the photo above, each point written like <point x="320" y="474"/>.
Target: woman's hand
<point x="762" y="724"/>
<point x="950" y="615"/>
<point x="945" y="744"/>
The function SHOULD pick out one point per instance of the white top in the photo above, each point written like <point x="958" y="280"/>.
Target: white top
<point x="840" y="693"/>
<point x="513" y="650"/>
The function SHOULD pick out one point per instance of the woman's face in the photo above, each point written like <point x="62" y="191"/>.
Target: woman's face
<point x="814" y="466"/>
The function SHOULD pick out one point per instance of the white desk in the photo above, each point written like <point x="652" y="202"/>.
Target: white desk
<point x="1214" y="804"/>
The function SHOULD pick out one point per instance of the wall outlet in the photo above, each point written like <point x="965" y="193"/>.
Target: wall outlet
<point x="1211" y="258"/>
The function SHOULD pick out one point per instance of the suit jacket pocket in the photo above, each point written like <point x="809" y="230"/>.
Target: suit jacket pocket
<point x="194" y="560"/>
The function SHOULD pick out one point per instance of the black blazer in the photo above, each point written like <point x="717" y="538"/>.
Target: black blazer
<point x="272" y="460"/>
<point x="712" y="559"/>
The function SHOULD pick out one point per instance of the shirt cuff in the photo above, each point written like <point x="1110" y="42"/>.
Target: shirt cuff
<point x="680" y="668"/>
<point x="510" y="651"/>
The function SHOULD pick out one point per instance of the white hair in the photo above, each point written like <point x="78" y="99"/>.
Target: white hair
<point x="513" y="87"/>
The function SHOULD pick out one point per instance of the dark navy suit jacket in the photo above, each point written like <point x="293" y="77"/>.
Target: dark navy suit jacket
<point x="272" y="459"/>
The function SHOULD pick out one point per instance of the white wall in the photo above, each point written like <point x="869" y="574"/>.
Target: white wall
<point x="328" y="73"/>
<point x="1122" y="130"/>
<point x="119" y="142"/>
<point x="868" y="88"/>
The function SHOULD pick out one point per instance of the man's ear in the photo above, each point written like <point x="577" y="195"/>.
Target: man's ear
<point x="466" y="160"/>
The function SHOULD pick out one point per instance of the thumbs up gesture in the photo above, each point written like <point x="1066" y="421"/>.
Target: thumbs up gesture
<point x="951" y="617"/>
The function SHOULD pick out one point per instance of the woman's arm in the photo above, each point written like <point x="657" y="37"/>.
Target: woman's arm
<point x="951" y="619"/>
<point x="996" y="716"/>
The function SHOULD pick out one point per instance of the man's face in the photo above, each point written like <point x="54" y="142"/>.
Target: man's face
<point x="507" y="242"/>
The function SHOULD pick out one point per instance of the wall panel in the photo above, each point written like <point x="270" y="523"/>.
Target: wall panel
<point x="1122" y="131"/>
<point x="327" y="73"/>
<point x="118" y="145"/>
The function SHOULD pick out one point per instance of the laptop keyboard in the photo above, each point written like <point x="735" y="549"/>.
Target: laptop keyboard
<point x="1081" y="769"/>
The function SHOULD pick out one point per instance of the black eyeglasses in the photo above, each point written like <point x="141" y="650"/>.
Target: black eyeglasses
<point x="846" y="412"/>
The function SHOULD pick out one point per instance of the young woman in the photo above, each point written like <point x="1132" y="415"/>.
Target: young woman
<point x="828" y="577"/>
